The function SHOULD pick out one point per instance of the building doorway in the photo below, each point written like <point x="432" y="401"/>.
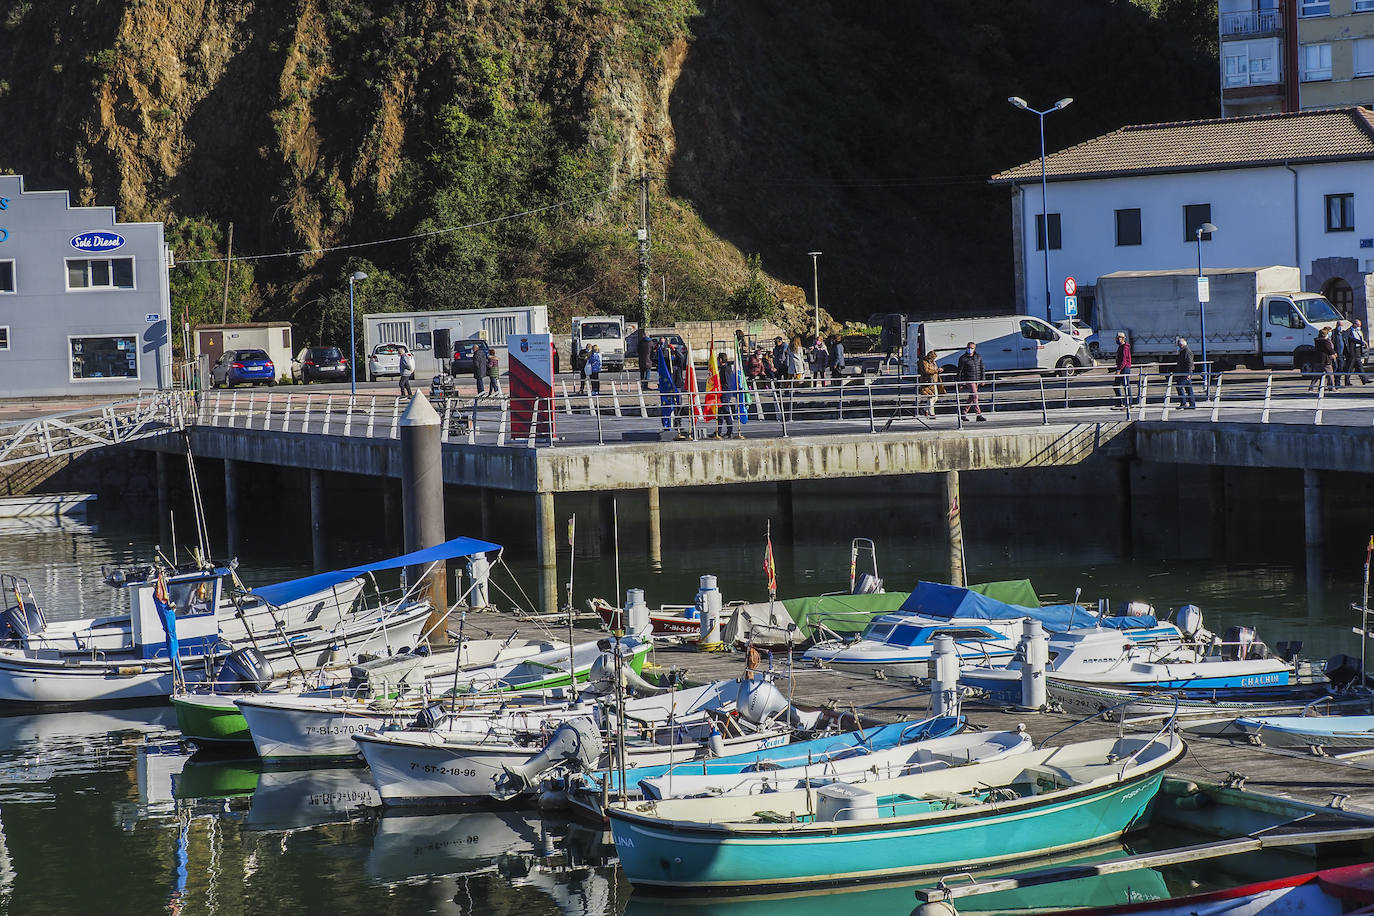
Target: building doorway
<point x="1339" y="293"/>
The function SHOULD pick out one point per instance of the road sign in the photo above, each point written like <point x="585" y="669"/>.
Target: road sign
<point x="1070" y="286"/>
<point x="1204" y="289"/>
<point x="1070" y="306"/>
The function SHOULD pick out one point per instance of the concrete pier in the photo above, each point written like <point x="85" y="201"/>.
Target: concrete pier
<point x="655" y="532"/>
<point x="1312" y="507"/>
<point x="231" y="508"/>
<point x="317" y="550"/>
<point x="547" y="552"/>
<point x="954" y="528"/>
<point x="422" y="496"/>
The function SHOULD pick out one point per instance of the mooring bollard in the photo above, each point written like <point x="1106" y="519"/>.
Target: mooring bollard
<point x="422" y="503"/>
<point x="1035" y="654"/>
<point x="944" y="678"/>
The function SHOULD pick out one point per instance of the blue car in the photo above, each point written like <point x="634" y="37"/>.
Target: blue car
<point x="238" y="367"/>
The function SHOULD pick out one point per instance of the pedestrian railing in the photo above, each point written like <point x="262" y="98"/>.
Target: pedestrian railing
<point x="72" y="432"/>
<point x="628" y="411"/>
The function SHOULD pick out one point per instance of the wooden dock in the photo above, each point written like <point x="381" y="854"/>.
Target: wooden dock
<point x="1339" y="787"/>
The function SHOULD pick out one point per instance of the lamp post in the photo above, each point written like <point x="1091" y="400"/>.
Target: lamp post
<point x="1044" y="207"/>
<point x="816" y="288"/>
<point x="1204" y="229"/>
<point x="356" y="277"/>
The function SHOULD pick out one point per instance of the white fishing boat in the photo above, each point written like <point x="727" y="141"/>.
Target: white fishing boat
<point x="182" y="623"/>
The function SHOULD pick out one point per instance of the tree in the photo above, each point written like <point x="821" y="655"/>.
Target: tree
<point x="754" y="299"/>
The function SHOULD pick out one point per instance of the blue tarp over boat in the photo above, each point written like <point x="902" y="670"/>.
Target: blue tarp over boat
<point x="285" y="592"/>
<point x="931" y="599"/>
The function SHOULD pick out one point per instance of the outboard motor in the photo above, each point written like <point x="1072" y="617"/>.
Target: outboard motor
<point x="576" y="742"/>
<point x="20" y="621"/>
<point x="1189" y="619"/>
<point x="431" y="717"/>
<point x="1342" y="671"/>
<point x="601" y="678"/>
<point x="867" y="584"/>
<point x="245" y="670"/>
<point x="760" y="700"/>
<point x="1238" y="644"/>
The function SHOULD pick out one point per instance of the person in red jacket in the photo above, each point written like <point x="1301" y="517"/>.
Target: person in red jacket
<point x="1121" y="382"/>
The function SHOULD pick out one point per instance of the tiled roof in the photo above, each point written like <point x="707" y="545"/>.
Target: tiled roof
<point x="1325" y="135"/>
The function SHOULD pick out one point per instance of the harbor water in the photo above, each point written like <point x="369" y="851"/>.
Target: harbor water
<point x="107" y="811"/>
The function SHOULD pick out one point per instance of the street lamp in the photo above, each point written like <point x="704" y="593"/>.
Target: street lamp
<point x="1205" y="229"/>
<point x="1044" y="207"/>
<point x="357" y="277"/>
<point x="816" y="288"/>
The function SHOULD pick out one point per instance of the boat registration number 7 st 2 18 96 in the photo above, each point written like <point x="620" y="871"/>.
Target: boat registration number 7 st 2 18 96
<point x="442" y="771"/>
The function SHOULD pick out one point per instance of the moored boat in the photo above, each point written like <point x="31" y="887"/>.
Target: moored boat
<point x="1042" y="802"/>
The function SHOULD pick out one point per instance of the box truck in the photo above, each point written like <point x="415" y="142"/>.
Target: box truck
<point x="1255" y="316"/>
<point x="607" y="332"/>
<point x="1006" y="343"/>
<point x="431" y="336"/>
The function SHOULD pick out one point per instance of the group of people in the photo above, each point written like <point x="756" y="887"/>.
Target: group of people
<point x="795" y="361"/>
<point x="1342" y="351"/>
<point x="675" y="407"/>
<point x="1185" y="364"/>
<point x="969" y="372"/>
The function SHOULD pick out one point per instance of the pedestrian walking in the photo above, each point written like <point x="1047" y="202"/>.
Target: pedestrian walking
<point x="479" y="368"/>
<point x="583" y="355"/>
<point x="971" y="373"/>
<point x="836" y="356"/>
<point x="1326" y="352"/>
<point x="779" y="358"/>
<point x="729" y="396"/>
<point x="594" y="369"/>
<point x="684" y="404"/>
<point x="407" y="372"/>
<point x="493" y="374"/>
<point x="645" y="351"/>
<point x="1338" y="342"/>
<point x="1183" y="375"/>
<point x="818" y="359"/>
<point x="1355" y="347"/>
<point x="796" y="359"/>
<point x="1121" y="380"/>
<point x="929" y="369"/>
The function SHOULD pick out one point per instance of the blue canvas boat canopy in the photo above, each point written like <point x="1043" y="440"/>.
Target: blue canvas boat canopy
<point x="292" y="590"/>
<point x="931" y="599"/>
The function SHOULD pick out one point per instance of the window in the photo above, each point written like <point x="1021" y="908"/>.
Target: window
<point x="100" y="273"/>
<point x="1056" y="239"/>
<point x="1282" y="315"/>
<point x="4" y="338"/>
<point x="1250" y="63"/>
<point x="1340" y="213"/>
<point x="104" y="357"/>
<point x="6" y="276"/>
<point x="1314" y="62"/>
<point x="1364" y="56"/>
<point x="1128" y="226"/>
<point x="1364" y="6"/>
<point x="1195" y="215"/>
<point x="1314" y="7"/>
<point x="498" y="329"/>
<point x="422" y="340"/>
<point x="1035" y="330"/>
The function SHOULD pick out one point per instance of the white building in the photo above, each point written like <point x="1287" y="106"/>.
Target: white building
<point x="83" y="298"/>
<point x="1295" y="189"/>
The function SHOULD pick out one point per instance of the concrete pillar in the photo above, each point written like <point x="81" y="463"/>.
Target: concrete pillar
<point x="547" y="552"/>
<point x="655" y="533"/>
<point x="1127" y="535"/>
<point x="487" y="506"/>
<point x="1312" y="507"/>
<point x="164" y="503"/>
<point x="231" y="508"/>
<point x="1216" y="505"/>
<point x="422" y="499"/>
<point x="317" y="555"/>
<point x="785" y="527"/>
<point x="391" y="504"/>
<point x="955" y="528"/>
<point x="605" y="516"/>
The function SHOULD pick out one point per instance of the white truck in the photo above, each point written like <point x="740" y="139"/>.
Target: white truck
<point x="1255" y="316"/>
<point x="1006" y="343"/>
<point x="607" y="332"/>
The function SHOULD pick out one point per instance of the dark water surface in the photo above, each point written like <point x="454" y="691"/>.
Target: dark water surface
<point x="106" y="812"/>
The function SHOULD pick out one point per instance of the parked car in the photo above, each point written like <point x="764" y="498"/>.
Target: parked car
<point x="314" y="363"/>
<point x="385" y="360"/>
<point x="463" y="351"/>
<point x="235" y="367"/>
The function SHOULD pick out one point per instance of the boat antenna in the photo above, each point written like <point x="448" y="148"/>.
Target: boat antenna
<point x="1364" y="609"/>
<point x="172" y="524"/>
<point x="572" y="656"/>
<point x="202" y="532"/>
<point x="615" y="545"/>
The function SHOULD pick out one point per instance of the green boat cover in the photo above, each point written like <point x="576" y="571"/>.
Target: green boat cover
<point x="848" y="614"/>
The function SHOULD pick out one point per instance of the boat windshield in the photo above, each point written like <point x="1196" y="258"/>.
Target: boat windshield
<point x="877" y="631"/>
<point x="1317" y="309"/>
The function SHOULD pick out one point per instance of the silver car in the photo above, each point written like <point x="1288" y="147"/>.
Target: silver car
<point x="385" y="360"/>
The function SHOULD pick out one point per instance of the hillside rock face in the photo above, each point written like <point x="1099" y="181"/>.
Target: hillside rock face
<point x="499" y="143"/>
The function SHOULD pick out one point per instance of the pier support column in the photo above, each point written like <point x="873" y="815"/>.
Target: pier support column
<point x="164" y="508"/>
<point x="547" y="552"/>
<point x="1216" y="504"/>
<point x="1312" y="507"/>
<point x="655" y="533"/>
<point x="391" y="505"/>
<point x="955" y="528"/>
<point x="422" y="498"/>
<point x="785" y="514"/>
<point x="605" y="517"/>
<point x="231" y="508"/>
<point x="1123" y="482"/>
<point x="317" y="519"/>
<point x="486" y="503"/>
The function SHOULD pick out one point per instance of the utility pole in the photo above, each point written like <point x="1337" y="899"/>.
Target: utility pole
<point x="643" y="252"/>
<point x="224" y="309"/>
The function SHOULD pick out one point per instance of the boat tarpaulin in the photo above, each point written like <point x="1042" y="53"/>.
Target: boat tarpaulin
<point x="931" y="599"/>
<point x="285" y="592"/>
<point x="841" y="613"/>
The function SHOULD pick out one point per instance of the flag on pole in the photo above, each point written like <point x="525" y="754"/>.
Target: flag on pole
<point x="712" y="401"/>
<point x="168" y="617"/>
<point x="693" y="404"/>
<point x="769" y="569"/>
<point x="572" y="528"/>
<point x="668" y="399"/>
<point x="743" y="392"/>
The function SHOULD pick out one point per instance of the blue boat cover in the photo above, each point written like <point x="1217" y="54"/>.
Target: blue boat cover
<point x="292" y="590"/>
<point x="1144" y="622"/>
<point x="932" y="599"/>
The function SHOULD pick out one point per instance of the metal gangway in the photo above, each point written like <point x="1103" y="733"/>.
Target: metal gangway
<point x="72" y="432"/>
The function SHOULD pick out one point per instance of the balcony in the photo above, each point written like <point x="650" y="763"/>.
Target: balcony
<point x="1251" y="22"/>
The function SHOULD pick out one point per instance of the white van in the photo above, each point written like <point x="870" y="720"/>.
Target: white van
<point x="1006" y="343"/>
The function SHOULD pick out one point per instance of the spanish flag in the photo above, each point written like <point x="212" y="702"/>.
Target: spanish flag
<point x="712" y="384"/>
<point x="689" y="386"/>
<point x="769" y="568"/>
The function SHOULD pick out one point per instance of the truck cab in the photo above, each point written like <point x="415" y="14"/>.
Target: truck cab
<point x="1290" y="325"/>
<point x="605" y="331"/>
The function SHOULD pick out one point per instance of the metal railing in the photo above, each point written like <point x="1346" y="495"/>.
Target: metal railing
<point x="75" y="431"/>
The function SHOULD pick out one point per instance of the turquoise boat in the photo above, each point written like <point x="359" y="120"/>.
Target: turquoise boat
<point x="1045" y="802"/>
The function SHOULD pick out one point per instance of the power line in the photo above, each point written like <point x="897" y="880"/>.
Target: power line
<point x="405" y="238"/>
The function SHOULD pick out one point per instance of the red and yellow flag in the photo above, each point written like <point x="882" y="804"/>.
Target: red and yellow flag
<point x="712" y="384"/>
<point x="690" y="387"/>
<point x="769" y="568"/>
